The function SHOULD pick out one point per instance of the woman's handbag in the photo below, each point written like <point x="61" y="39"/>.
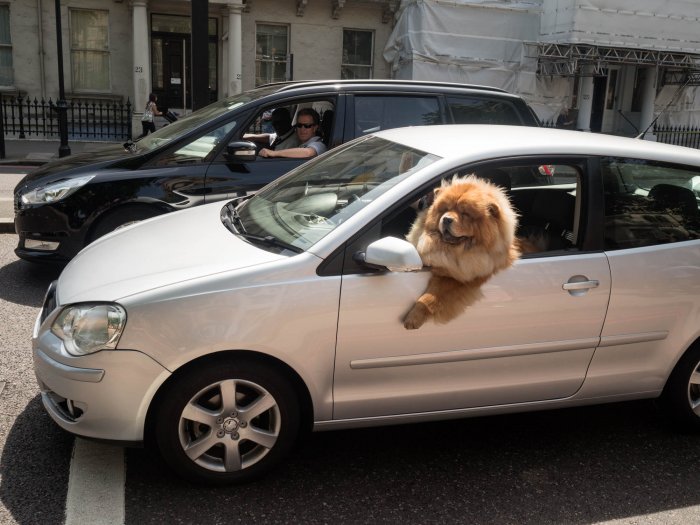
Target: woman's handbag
<point x="147" y="114"/>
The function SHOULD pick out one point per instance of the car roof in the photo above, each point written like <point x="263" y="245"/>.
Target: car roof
<point x="471" y="142"/>
<point x="390" y="83"/>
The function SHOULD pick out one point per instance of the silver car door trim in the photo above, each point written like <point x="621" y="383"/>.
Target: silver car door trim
<point x="471" y="355"/>
<point x="628" y="339"/>
<point x="86" y="375"/>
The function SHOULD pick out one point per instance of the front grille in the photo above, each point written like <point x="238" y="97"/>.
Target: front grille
<point x="17" y="202"/>
<point x="49" y="302"/>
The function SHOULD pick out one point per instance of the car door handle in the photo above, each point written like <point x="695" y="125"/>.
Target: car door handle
<point x="580" y="283"/>
<point x="583" y="285"/>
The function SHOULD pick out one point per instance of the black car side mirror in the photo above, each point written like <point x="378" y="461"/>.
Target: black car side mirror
<point x="240" y="151"/>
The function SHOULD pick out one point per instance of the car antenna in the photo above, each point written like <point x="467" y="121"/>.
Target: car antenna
<point x="673" y="99"/>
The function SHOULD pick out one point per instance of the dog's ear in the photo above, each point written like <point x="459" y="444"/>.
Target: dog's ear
<point x="493" y="210"/>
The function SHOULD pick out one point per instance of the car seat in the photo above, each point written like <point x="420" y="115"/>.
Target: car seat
<point x="327" y="126"/>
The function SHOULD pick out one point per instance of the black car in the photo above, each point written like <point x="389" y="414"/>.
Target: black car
<point x="66" y="204"/>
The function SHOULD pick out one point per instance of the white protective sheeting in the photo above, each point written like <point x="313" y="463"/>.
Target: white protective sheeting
<point x="684" y="108"/>
<point x="485" y="42"/>
<point x="670" y="25"/>
<point x="474" y="42"/>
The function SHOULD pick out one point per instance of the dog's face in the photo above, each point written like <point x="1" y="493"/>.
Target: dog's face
<point x="469" y="212"/>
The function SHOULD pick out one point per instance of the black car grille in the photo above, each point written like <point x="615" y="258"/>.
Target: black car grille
<point x="17" y="202"/>
<point x="49" y="302"/>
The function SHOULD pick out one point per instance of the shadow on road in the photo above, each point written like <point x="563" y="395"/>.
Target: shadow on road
<point x="26" y="283"/>
<point x="35" y="464"/>
<point x="571" y="466"/>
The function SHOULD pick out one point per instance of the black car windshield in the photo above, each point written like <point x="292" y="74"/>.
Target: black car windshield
<point x="206" y="114"/>
<point x="300" y="209"/>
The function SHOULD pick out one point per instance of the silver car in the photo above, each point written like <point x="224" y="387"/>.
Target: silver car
<point x="221" y="333"/>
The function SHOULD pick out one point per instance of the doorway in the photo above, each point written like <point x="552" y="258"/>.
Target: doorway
<point x="171" y="60"/>
<point x="605" y="101"/>
<point x="176" y="72"/>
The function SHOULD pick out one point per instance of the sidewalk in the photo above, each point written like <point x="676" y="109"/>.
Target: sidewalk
<point x="22" y="156"/>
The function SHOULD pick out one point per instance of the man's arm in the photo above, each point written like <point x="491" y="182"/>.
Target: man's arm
<point x="290" y="153"/>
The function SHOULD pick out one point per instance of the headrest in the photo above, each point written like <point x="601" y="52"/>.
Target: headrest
<point x="555" y="206"/>
<point x="675" y="197"/>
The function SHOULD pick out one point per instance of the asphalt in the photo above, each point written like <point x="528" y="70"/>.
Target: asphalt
<point x="22" y="156"/>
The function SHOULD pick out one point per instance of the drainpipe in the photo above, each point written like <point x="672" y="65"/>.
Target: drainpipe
<point x="40" y="18"/>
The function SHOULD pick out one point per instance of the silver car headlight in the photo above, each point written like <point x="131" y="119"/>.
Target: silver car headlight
<point x="55" y="191"/>
<point x="88" y="328"/>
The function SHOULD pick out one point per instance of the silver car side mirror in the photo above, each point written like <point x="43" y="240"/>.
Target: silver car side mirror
<point x="391" y="253"/>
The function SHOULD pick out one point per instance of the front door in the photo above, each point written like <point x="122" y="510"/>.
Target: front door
<point x="531" y="338"/>
<point x="176" y="73"/>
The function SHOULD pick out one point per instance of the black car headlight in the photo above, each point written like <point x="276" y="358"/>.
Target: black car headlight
<point x="55" y="191"/>
<point x="88" y="328"/>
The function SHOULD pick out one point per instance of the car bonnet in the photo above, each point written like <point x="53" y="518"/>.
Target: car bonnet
<point x="166" y="250"/>
<point x="80" y="164"/>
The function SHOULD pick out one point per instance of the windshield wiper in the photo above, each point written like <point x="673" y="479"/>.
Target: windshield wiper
<point x="232" y="221"/>
<point x="232" y="218"/>
<point x="269" y="240"/>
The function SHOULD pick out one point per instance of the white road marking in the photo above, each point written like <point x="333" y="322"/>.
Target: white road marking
<point x="96" y="484"/>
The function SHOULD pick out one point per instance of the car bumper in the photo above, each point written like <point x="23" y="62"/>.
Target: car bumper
<point x="103" y="396"/>
<point x="46" y="234"/>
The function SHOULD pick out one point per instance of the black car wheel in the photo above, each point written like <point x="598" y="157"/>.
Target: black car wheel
<point x="227" y="422"/>
<point x="681" y="396"/>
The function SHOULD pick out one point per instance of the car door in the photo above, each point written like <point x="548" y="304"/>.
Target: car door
<point x="652" y="240"/>
<point x="531" y="337"/>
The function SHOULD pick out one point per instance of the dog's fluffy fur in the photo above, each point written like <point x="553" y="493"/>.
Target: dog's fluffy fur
<point x="465" y="236"/>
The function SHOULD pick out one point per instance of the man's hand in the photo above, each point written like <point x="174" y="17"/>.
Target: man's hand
<point x="264" y="152"/>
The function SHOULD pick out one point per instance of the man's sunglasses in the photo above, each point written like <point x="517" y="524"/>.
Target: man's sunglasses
<point x="305" y="126"/>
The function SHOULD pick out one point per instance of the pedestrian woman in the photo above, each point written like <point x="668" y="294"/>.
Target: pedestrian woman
<point x="149" y="114"/>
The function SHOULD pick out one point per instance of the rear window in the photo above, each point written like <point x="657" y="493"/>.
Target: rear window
<point x="478" y="110"/>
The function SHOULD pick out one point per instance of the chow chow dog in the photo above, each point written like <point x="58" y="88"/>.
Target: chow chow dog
<point x="466" y="235"/>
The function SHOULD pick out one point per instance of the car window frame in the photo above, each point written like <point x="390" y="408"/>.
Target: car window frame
<point x="349" y="130"/>
<point x="341" y="261"/>
<point x="326" y="96"/>
<point x="153" y="162"/>
<point x="651" y="162"/>
<point x="503" y="100"/>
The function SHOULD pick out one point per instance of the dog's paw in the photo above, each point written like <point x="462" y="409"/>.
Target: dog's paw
<point x="416" y="317"/>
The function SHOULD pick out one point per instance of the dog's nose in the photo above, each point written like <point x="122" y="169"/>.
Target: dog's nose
<point x="447" y="220"/>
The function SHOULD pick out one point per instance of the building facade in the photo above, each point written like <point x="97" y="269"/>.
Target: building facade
<point x="118" y="50"/>
<point x="599" y="65"/>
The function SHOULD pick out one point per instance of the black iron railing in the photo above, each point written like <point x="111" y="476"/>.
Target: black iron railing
<point x="678" y="135"/>
<point x="23" y="117"/>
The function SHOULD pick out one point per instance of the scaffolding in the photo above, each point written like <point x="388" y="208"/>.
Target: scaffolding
<point x="568" y="60"/>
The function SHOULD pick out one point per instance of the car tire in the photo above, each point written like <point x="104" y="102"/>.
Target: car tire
<point x="120" y="218"/>
<point x="227" y="422"/>
<point x="681" y="396"/>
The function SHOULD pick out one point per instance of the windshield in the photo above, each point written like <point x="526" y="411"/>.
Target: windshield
<point x="212" y="111"/>
<point x="300" y="209"/>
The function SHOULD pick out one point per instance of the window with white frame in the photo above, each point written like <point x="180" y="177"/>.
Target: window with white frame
<point x="89" y="48"/>
<point x="6" y="71"/>
<point x="357" y="54"/>
<point x="271" y="50"/>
